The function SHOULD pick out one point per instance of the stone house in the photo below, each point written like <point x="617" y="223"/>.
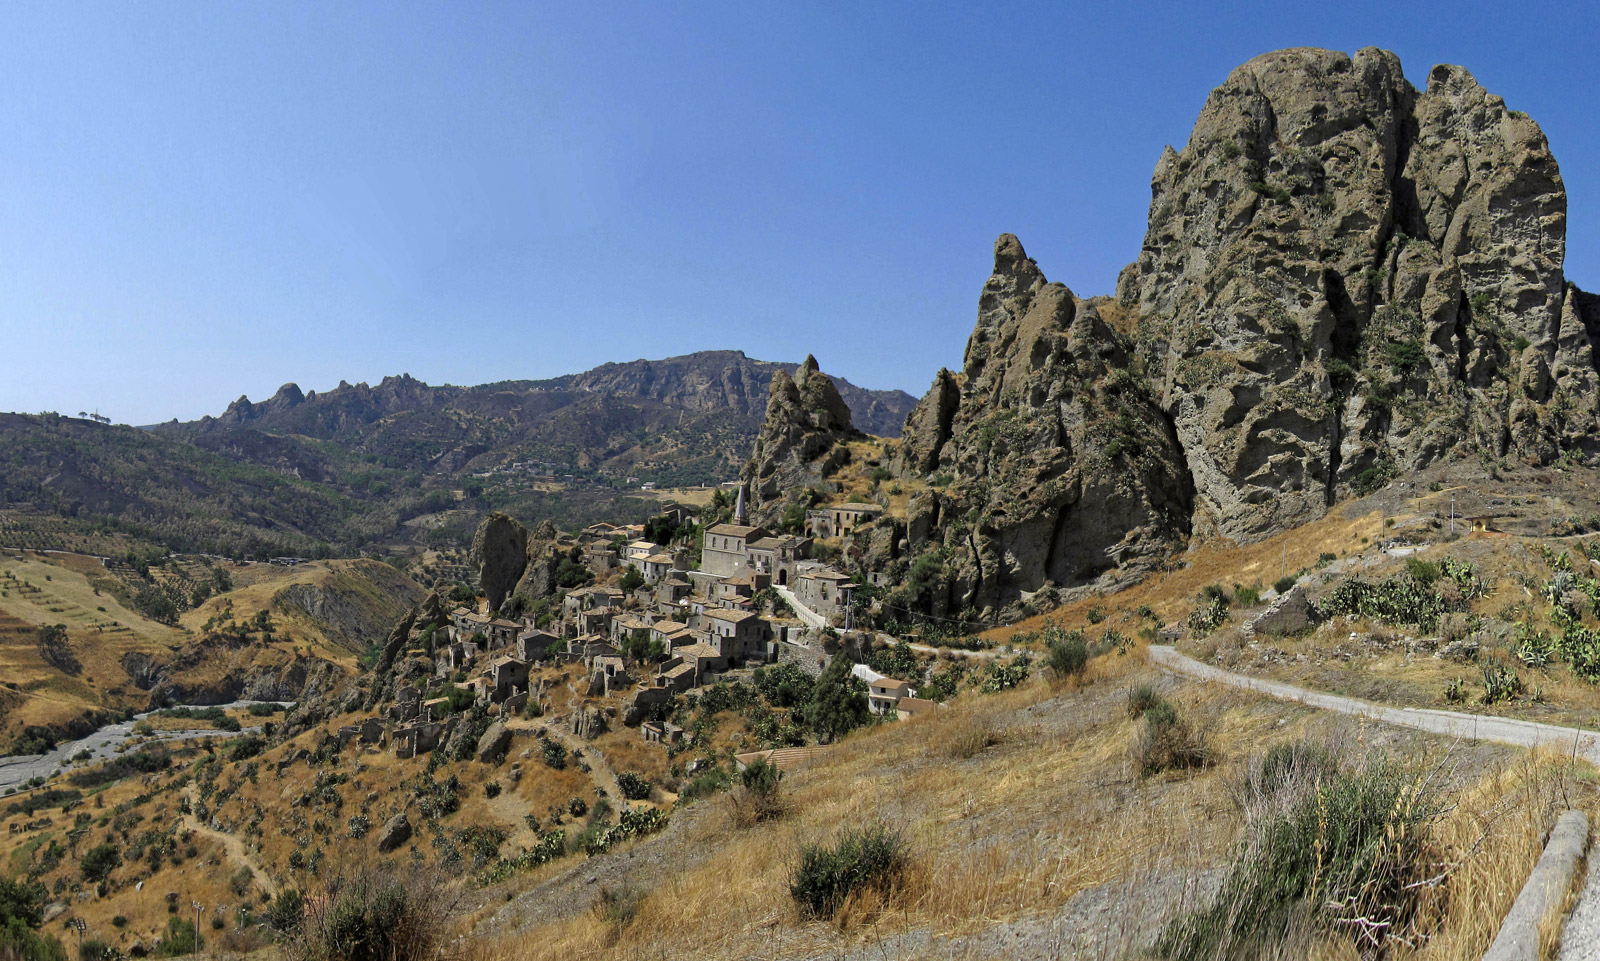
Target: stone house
<point x="826" y="592"/>
<point x="776" y="557"/>
<point x="509" y="675"/>
<point x="622" y="628"/>
<point x="502" y="633"/>
<point x="885" y="692"/>
<point x="661" y="732"/>
<point x="739" y="634"/>
<point x="600" y="559"/>
<point x="676" y="674"/>
<point x="656" y="567"/>
<point x="664" y="630"/>
<point x="532" y="644"/>
<point x="840" y="520"/>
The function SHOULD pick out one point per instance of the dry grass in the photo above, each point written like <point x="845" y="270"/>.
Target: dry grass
<point x="1046" y="809"/>
<point x="1495" y="830"/>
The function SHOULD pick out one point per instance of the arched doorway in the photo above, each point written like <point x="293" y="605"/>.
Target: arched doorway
<point x="783" y="577"/>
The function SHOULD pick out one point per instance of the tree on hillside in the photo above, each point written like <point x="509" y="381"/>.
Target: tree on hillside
<point x="53" y="648"/>
<point x="632" y="580"/>
<point x="838" y="701"/>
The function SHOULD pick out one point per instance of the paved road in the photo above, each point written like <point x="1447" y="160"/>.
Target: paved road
<point x="1585" y="744"/>
<point x="101" y="745"/>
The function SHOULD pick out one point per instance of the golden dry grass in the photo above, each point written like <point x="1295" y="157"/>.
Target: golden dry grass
<point x="1010" y="817"/>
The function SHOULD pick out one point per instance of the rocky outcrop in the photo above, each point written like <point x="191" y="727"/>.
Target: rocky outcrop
<point x="500" y="552"/>
<point x="1291" y="613"/>
<point x="588" y="723"/>
<point x="396" y="831"/>
<point x="801" y="443"/>
<point x="511" y="562"/>
<point x="1048" y="461"/>
<point x="494" y="743"/>
<point x="1344" y="279"/>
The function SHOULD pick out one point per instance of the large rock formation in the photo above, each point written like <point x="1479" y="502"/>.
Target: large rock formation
<point x="1049" y="460"/>
<point x="513" y="563"/>
<point x="801" y="442"/>
<point x="500" y="552"/>
<point x="1343" y="280"/>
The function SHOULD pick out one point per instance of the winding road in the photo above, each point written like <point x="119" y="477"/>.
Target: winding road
<point x="1580" y="935"/>
<point x="1581" y="743"/>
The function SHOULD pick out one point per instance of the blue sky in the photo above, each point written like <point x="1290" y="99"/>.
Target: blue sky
<point x="206" y="200"/>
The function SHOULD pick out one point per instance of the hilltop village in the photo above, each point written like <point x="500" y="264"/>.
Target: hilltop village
<point x="652" y="625"/>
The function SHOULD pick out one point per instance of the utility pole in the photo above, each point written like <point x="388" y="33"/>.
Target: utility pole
<point x="1452" y="513"/>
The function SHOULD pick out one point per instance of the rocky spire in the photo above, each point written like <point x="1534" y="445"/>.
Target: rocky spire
<point x="801" y="440"/>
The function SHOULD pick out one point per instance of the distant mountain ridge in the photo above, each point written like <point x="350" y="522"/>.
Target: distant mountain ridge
<point x="687" y="419"/>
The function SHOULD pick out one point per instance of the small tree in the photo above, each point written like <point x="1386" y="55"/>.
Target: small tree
<point x="838" y="701"/>
<point x="632" y="580"/>
<point x="99" y="862"/>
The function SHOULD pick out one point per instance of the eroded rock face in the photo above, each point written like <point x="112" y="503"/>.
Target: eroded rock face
<point x="1344" y="279"/>
<point x="1050" y="462"/>
<point x="510" y="561"/>
<point x="500" y="550"/>
<point x="800" y="443"/>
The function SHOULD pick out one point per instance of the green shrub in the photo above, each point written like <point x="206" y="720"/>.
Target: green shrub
<point x="182" y="938"/>
<point x="1210" y="616"/>
<point x="1168" y="742"/>
<point x="374" y="917"/>
<point x="1500" y="683"/>
<point x="1421" y="571"/>
<point x="1142" y="698"/>
<point x="706" y="783"/>
<point x="95" y="949"/>
<point x="1247" y="595"/>
<point x="634" y="787"/>
<point x="871" y="858"/>
<point x="1284" y="584"/>
<point x="1354" y="847"/>
<point x="99" y="861"/>
<point x="1405" y="355"/>
<point x="287" y="911"/>
<point x="1399" y="600"/>
<point x="757" y="798"/>
<point x="1068" y="653"/>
